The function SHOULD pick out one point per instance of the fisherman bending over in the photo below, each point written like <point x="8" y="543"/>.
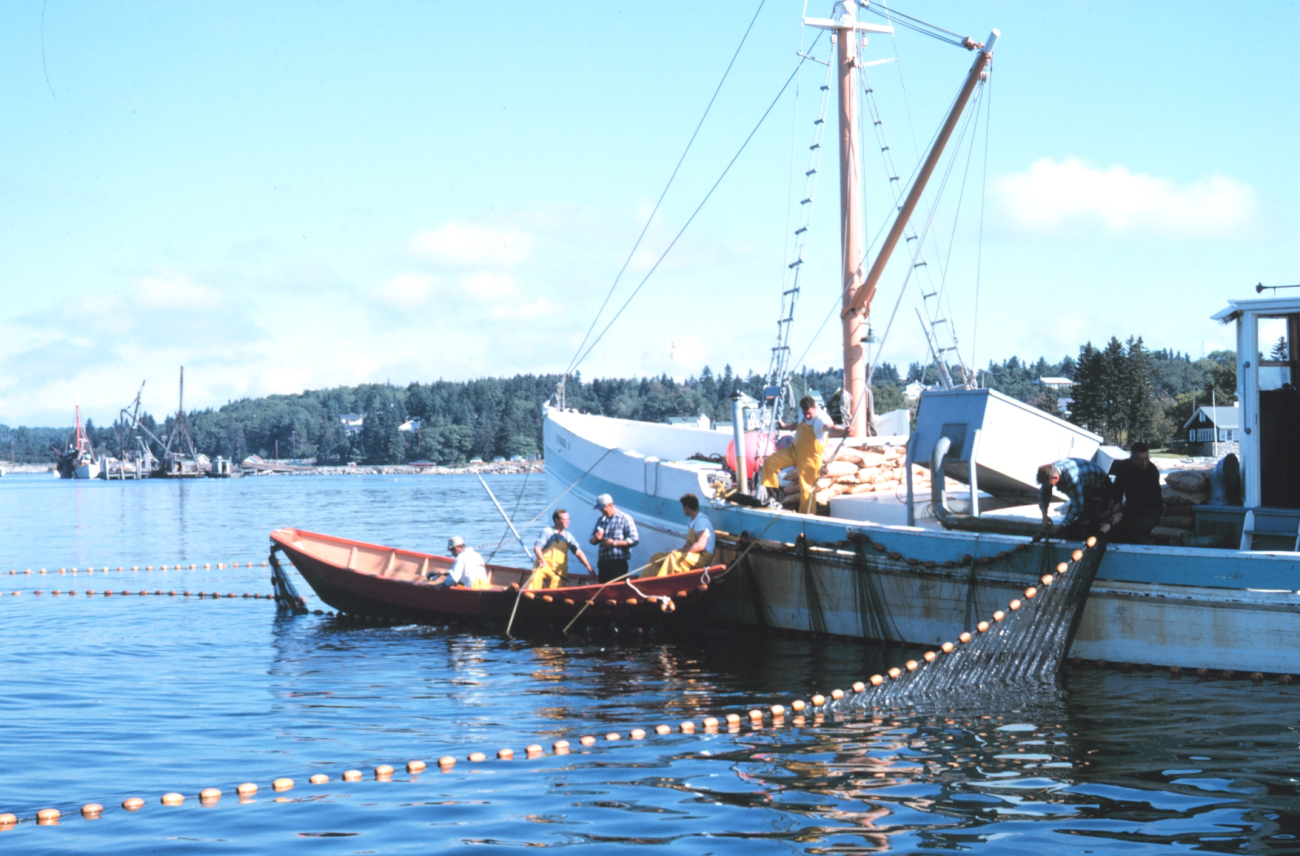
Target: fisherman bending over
<point x="1089" y="490"/>
<point x="696" y="552"/>
<point x="552" y="552"/>
<point x="468" y="570"/>
<point x="805" y="455"/>
<point x="1137" y="482"/>
<point x="616" y="534"/>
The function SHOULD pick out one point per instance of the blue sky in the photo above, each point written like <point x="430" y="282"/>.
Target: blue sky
<point x="301" y="195"/>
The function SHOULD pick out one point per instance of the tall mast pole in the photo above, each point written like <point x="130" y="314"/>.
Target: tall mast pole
<point x="844" y="25"/>
<point x="856" y="409"/>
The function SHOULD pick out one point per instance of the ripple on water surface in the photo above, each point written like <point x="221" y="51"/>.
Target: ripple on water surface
<point x="108" y="698"/>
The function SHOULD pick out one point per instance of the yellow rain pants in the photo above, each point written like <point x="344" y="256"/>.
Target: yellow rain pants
<point x="806" y="457"/>
<point x="553" y="568"/>
<point x="678" y="561"/>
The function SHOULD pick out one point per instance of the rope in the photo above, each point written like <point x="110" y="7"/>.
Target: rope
<point x="690" y="219"/>
<point x="576" y="358"/>
<point x="979" y="256"/>
<point x="923" y="27"/>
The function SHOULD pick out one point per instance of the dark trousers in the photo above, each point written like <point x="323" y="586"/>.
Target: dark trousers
<point x="610" y="569"/>
<point x="1136" y="525"/>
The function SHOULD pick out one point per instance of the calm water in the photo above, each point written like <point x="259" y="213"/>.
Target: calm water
<point x="107" y="698"/>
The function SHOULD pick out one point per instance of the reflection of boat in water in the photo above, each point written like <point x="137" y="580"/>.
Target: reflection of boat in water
<point x="78" y="461"/>
<point x="367" y="579"/>
<point x="911" y="566"/>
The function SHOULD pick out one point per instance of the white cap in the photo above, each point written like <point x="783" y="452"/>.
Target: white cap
<point x="455" y="541"/>
<point x="603" y="500"/>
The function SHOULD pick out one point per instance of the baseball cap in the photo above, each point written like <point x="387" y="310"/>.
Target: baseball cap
<point x="603" y="500"/>
<point x="455" y="541"/>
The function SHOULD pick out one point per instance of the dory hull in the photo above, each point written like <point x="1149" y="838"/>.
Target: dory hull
<point x="372" y="580"/>
<point x="1169" y="606"/>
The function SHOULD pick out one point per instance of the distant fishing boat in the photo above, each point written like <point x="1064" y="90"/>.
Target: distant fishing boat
<point x="372" y="580"/>
<point x="78" y="461"/>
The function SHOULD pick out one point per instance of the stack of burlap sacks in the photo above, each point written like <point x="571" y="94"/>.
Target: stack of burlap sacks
<point x="1181" y="490"/>
<point x="853" y="472"/>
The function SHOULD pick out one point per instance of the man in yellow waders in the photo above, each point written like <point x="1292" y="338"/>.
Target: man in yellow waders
<point x="697" y="552"/>
<point x="552" y="552"/>
<point x="805" y="455"/>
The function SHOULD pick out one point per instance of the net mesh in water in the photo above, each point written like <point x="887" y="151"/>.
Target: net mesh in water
<point x="1020" y="646"/>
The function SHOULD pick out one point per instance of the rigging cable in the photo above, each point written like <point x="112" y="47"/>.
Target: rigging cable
<point x="979" y="256"/>
<point x="928" y="222"/>
<point x="576" y="359"/>
<point x="919" y="26"/>
<point x="689" y="220"/>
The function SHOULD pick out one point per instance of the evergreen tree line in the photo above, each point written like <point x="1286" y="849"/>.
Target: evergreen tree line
<point x="1122" y="391"/>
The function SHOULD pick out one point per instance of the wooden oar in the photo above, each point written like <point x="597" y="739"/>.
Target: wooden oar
<point x="522" y="581"/>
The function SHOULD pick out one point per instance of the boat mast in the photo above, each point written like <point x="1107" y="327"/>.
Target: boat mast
<point x="845" y="27"/>
<point x="861" y="302"/>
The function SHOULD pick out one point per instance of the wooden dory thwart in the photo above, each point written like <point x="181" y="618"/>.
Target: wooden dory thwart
<point x="368" y="579"/>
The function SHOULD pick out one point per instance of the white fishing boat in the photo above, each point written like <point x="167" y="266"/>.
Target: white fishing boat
<point x="78" y="461"/>
<point x="917" y="566"/>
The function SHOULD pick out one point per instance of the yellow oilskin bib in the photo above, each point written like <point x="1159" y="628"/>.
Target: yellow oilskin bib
<point x="678" y="561"/>
<point x="806" y="457"/>
<point x="553" y="568"/>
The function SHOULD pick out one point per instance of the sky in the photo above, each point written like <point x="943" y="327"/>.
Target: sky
<point x="295" y="196"/>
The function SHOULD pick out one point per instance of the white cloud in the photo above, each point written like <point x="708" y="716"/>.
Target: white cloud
<point x="168" y="290"/>
<point x="463" y="245"/>
<point x="1052" y="195"/>
<point x="408" y="289"/>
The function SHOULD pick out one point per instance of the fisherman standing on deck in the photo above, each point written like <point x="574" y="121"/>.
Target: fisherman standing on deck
<point x="805" y="455"/>
<point x="469" y="569"/>
<point x="1137" y="482"/>
<point x="1089" y="490"/>
<point x="696" y="552"/>
<point x="552" y="552"/>
<point x="616" y="534"/>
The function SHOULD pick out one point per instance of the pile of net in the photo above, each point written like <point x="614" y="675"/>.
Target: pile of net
<point x="1021" y="647"/>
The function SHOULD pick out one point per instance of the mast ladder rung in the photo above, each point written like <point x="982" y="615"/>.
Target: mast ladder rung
<point x="801" y="230"/>
<point x="805" y="201"/>
<point x="921" y="263"/>
<point x="893" y="178"/>
<point x="794" y="264"/>
<point x="812" y="171"/>
<point x="911" y="237"/>
<point x="825" y="87"/>
<point x="884" y="148"/>
<point x="925" y="296"/>
<point x="794" y="290"/>
<point x="814" y="147"/>
<point x="878" y="122"/>
<point x="938" y="321"/>
<point x="819" y="121"/>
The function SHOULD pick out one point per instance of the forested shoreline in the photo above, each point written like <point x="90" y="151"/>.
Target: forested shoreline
<point x="1121" y="391"/>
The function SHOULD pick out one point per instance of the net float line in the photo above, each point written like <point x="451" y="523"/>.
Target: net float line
<point x="798" y="714"/>
<point x="109" y="593"/>
<point x="179" y="566"/>
<point x="386" y="772"/>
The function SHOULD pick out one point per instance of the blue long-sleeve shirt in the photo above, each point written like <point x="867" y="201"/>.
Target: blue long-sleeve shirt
<point x="1082" y="481"/>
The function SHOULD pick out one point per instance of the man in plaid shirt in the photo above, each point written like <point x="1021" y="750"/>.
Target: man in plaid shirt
<point x="616" y="534"/>
<point x="1091" y="495"/>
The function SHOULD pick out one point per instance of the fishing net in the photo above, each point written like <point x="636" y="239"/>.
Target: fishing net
<point x="1020" y="649"/>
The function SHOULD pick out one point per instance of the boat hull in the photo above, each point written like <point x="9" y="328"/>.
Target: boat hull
<point x="1168" y="606"/>
<point x="396" y="591"/>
